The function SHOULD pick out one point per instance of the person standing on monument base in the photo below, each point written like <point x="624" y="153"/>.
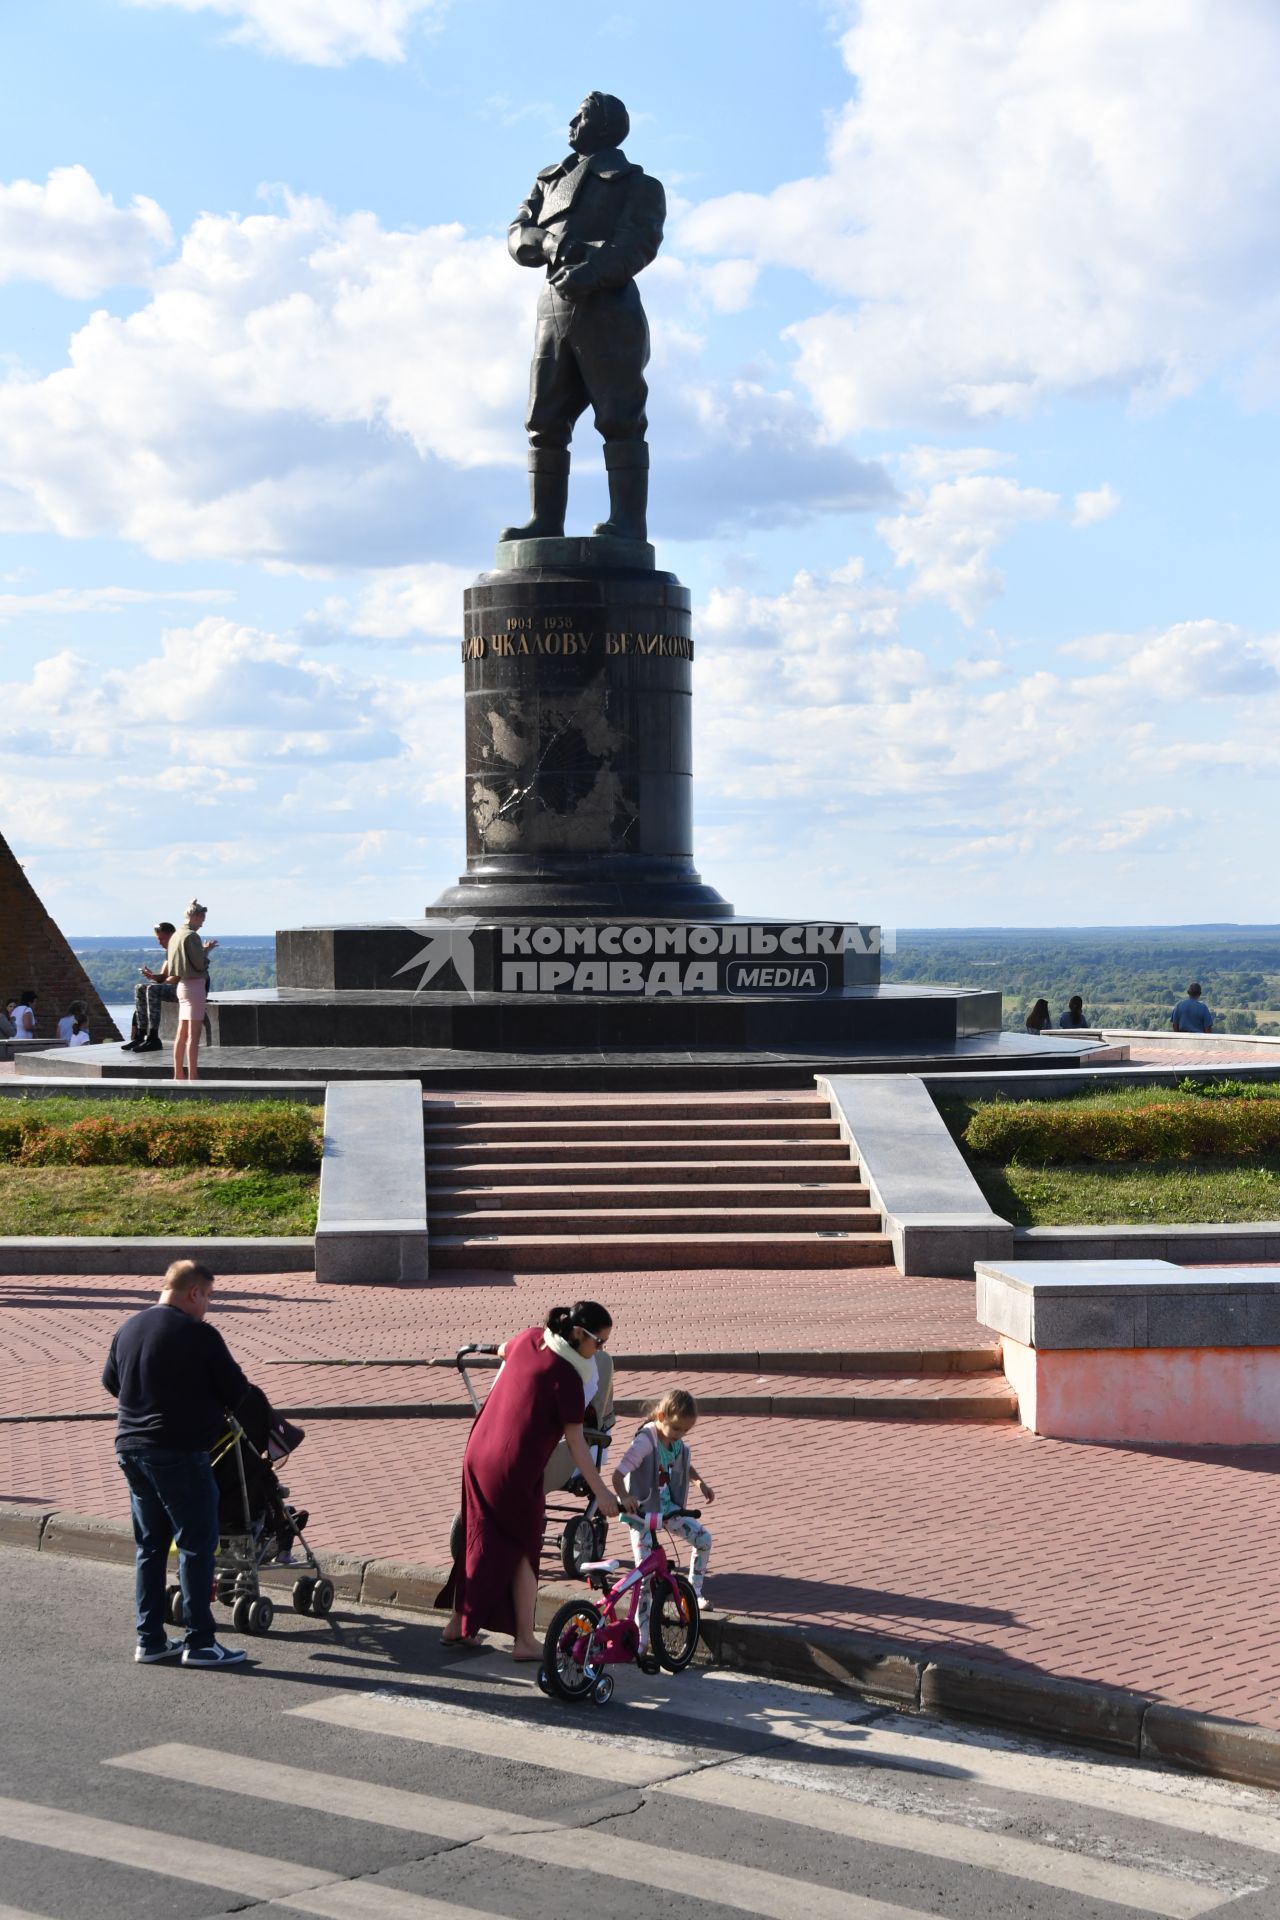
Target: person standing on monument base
<point x="594" y="221"/>
<point x="187" y="964"/>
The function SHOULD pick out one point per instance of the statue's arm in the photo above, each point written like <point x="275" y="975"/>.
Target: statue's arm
<point x="636" y="238"/>
<point x="529" y="244"/>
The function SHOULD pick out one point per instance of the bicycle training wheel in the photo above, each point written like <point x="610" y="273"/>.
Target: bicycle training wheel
<point x="565" y="1662"/>
<point x="673" y="1623"/>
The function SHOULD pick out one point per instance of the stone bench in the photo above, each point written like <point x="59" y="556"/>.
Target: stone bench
<point x="1138" y="1350"/>
<point x="372" y="1219"/>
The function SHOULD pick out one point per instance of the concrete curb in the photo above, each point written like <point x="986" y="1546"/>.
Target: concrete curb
<point x="36" y="1254"/>
<point x="845" y="1661"/>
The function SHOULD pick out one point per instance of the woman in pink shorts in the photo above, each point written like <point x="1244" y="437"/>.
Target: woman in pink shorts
<point x="187" y="964"/>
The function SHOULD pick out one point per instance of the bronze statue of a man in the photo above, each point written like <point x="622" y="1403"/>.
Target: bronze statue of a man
<point x="594" y="221"/>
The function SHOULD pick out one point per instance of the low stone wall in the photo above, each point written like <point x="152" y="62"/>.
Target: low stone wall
<point x="372" y="1223"/>
<point x="935" y="1214"/>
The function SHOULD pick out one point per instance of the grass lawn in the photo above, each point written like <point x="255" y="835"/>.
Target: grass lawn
<point x="63" y="1109"/>
<point x="1090" y="1195"/>
<point x="145" y="1200"/>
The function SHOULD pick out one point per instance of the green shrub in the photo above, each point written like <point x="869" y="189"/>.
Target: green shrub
<point x="279" y="1137"/>
<point x="1041" y="1132"/>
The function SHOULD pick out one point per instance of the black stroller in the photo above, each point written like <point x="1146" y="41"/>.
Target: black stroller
<point x="583" y="1528"/>
<point x="256" y="1528"/>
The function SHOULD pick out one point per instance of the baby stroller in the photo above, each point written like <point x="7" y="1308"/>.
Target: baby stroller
<point x="583" y="1528"/>
<point x="256" y="1528"/>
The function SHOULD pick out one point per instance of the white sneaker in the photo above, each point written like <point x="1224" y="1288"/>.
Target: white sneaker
<point x="213" y="1656"/>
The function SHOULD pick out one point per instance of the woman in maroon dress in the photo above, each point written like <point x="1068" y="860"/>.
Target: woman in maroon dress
<point x="537" y="1398"/>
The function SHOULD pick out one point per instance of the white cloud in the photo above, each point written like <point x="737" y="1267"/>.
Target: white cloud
<point x="1099" y="504"/>
<point x="402" y="603"/>
<point x="1029" y="197"/>
<point x="321" y="33"/>
<point x="948" y="531"/>
<point x="69" y="235"/>
<point x="88" y="600"/>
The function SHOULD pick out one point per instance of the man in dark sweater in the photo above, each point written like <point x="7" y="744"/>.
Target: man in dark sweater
<point x="174" y="1379"/>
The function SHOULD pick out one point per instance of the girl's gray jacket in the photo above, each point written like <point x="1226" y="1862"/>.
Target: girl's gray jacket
<point x="642" y="1481"/>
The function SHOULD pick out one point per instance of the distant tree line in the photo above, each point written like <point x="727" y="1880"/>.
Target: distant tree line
<point x="1127" y="977"/>
<point x="113" y="965"/>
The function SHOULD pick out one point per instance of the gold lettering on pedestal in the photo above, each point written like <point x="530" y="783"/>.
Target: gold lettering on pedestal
<point x="559" y="641"/>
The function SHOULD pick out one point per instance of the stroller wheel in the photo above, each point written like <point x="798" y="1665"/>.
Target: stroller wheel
<point x="240" y="1614"/>
<point x="577" y="1543"/>
<point x="302" y="1592"/>
<point x="262" y="1612"/>
<point x="225" y="1591"/>
<point x="174" y="1610"/>
<point x="543" y="1683"/>
<point x="322" y="1598"/>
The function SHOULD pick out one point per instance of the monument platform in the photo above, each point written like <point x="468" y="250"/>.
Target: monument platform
<point x="571" y="1068"/>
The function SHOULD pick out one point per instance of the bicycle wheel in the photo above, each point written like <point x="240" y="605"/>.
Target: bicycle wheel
<point x="565" y="1660"/>
<point x="673" y="1623"/>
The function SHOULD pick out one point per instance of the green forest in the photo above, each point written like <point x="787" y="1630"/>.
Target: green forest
<point x="1127" y="976"/>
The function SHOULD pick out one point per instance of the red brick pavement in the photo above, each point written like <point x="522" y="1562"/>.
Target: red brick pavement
<point x="1141" y="1569"/>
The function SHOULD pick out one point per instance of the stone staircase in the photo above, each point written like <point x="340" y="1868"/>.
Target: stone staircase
<point x="597" y="1183"/>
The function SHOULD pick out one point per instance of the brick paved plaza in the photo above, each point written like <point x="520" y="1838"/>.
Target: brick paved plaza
<point x="1148" y="1569"/>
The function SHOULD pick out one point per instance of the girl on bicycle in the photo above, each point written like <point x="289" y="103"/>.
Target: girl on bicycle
<point x="655" y="1472"/>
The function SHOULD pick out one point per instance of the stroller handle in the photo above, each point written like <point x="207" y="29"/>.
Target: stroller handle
<point x="474" y="1346"/>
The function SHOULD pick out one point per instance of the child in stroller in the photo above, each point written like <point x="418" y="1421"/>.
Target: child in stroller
<point x="269" y="1438"/>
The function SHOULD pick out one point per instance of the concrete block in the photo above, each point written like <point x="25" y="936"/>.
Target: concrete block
<point x="1227" y="1748"/>
<point x="372" y="1220"/>
<point x="1061" y="1709"/>
<point x="1197" y="1320"/>
<point x="21" y="1525"/>
<point x="88" y="1253"/>
<point x="845" y="1662"/>
<point x="89" y="1537"/>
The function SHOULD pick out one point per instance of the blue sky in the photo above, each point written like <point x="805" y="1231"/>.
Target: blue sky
<point x="963" y="421"/>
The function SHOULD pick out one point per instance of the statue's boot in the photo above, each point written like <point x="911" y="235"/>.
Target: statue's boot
<point x="548" y="496"/>
<point x="627" y="464"/>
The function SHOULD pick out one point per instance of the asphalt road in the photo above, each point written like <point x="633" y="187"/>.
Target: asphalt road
<point x="360" y="1771"/>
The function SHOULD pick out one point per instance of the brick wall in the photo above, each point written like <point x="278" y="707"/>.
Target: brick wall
<point x="34" y="954"/>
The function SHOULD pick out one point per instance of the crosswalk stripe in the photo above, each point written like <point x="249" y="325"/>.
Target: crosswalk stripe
<point x="166" y="1853"/>
<point x="366" y="1900"/>
<point x="775" y="1896"/>
<point x="663" y="1768"/>
<point x="1104" y="1786"/>
<point x="619" y="1761"/>
<point x="327" y="1793"/>
<point x="1081" y="1873"/>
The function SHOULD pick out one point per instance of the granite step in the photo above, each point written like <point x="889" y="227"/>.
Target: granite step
<point x="482" y="1199"/>
<point x="660" y="1252"/>
<point x="624" y="1129"/>
<point x="572" y="1223"/>
<point x="613" y="1152"/>
<point x="520" y="1173"/>
<point x="603" y="1106"/>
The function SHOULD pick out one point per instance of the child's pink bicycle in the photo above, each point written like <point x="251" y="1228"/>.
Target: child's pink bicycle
<point x="583" y="1638"/>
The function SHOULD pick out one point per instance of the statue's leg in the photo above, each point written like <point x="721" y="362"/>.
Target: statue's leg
<point x="613" y="358"/>
<point x="557" y="396"/>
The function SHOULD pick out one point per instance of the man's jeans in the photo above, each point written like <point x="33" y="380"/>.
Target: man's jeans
<point x="173" y="1497"/>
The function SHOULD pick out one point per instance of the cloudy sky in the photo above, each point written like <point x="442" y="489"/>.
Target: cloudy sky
<point x="964" y="403"/>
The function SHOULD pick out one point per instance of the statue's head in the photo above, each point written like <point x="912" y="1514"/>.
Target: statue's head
<point x="601" y="121"/>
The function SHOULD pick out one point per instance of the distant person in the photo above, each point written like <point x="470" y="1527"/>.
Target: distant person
<point x="77" y="1012"/>
<point x="79" y="1035"/>
<point x="150" y="992"/>
<point x="187" y="965"/>
<point x="1191" y="1015"/>
<point x="174" y="1380"/>
<point x="1039" y="1017"/>
<point x="7" y="1027"/>
<point x="24" y="1014"/>
<point x="1074" y="1015"/>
